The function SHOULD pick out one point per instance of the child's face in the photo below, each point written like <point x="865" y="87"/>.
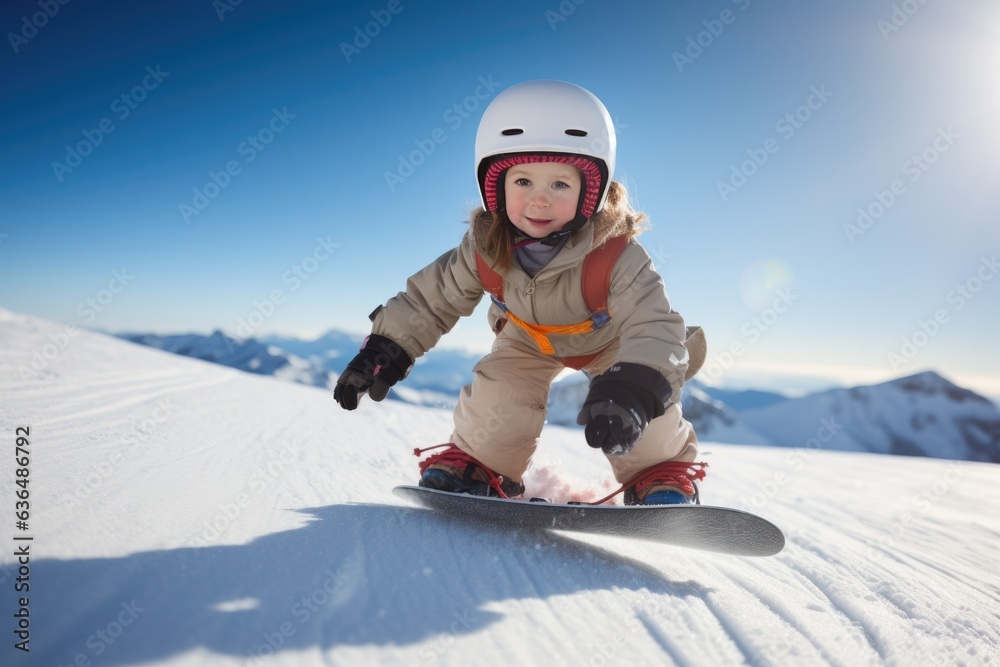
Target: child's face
<point x="542" y="197"/>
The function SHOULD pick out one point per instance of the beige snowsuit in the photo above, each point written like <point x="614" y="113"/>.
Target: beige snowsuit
<point x="500" y="415"/>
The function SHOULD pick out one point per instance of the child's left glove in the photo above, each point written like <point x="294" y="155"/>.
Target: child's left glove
<point x="620" y="404"/>
<point x="380" y="364"/>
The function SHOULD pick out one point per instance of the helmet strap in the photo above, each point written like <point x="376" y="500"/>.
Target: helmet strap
<point x="556" y="237"/>
<point x="553" y="239"/>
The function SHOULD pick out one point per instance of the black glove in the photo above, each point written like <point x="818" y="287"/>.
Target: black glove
<point x="620" y="405"/>
<point x="380" y="364"/>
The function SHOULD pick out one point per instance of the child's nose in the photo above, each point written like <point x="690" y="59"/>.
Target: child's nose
<point x="540" y="197"/>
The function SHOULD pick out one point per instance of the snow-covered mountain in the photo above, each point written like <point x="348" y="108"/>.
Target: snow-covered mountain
<point x="435" y="380"/>
<point x="712" y="419"/>
<point x="565" y="398"/>
<point x="922" y="415"/>
<point x="741" y="399"/>
<point x="184" y="513"/>
<point x="715" y="420"/>
<point x="919" y="415"/>
<point x="333" y="350"/>
<point x="247" y="355"/>
<point x="440" y="374"/>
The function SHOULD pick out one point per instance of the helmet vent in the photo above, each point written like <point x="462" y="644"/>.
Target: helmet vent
<point x="576" y="133"/>
<point x="512" y="131"/>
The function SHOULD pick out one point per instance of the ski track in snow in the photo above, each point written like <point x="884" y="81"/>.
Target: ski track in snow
<point x="246" y="521"/>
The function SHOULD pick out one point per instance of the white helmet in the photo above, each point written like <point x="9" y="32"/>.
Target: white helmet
<point x="546" y="121"/>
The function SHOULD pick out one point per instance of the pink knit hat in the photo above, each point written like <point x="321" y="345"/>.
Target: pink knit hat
<point x="591" y="177"/>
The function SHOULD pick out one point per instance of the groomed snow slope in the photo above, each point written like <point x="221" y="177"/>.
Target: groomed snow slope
<point x="189" y="514"/>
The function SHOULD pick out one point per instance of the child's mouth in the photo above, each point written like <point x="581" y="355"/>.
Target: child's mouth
<point x="536" y="221"/>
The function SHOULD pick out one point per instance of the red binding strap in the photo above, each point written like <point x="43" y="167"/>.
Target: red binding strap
<point x="681" y="474"/>
<point x="456" y="458"/>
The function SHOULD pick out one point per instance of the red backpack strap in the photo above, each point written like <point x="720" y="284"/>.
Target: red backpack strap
<point x="597" y="268"/>
<point x="491" y="280"/>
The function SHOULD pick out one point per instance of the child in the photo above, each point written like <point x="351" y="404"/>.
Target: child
<point x="545" y="155"/>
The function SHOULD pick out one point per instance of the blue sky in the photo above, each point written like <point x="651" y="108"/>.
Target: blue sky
<point x="186" y="166"/>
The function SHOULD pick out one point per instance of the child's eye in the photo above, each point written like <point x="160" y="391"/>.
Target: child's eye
<point x="522" y="181"/>
<point x="559" y="185"/>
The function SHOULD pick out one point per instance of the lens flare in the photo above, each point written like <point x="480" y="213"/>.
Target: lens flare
<point x="763" y="280"/>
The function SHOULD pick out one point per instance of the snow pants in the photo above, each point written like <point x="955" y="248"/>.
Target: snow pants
<point x="500" y="415"/>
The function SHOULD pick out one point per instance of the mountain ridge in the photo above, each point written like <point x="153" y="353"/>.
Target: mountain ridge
<point x="922" y="414"/>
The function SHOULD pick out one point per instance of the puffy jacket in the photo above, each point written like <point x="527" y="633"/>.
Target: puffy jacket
<point x="647" y="330"/>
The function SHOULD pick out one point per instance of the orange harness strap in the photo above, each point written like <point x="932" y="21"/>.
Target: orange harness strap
<point x="595" y="283"/>
<point x="540" y="332"/>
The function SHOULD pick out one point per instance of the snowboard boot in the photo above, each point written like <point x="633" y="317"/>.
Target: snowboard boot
<point x="667" y="483"/>
<point x="455" y="471"/>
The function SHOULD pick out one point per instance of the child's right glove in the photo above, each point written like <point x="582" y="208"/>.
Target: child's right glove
<point x="380" y="364"/>
<point x="620" y="404"/>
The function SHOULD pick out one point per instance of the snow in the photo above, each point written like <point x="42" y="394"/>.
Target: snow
<point x="190" y="514"/>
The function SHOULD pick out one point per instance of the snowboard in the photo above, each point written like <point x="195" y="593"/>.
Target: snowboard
<point x="720" y="529"/>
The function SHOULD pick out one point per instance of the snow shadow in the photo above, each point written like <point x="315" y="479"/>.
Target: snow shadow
<point x="353" y="575"/>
